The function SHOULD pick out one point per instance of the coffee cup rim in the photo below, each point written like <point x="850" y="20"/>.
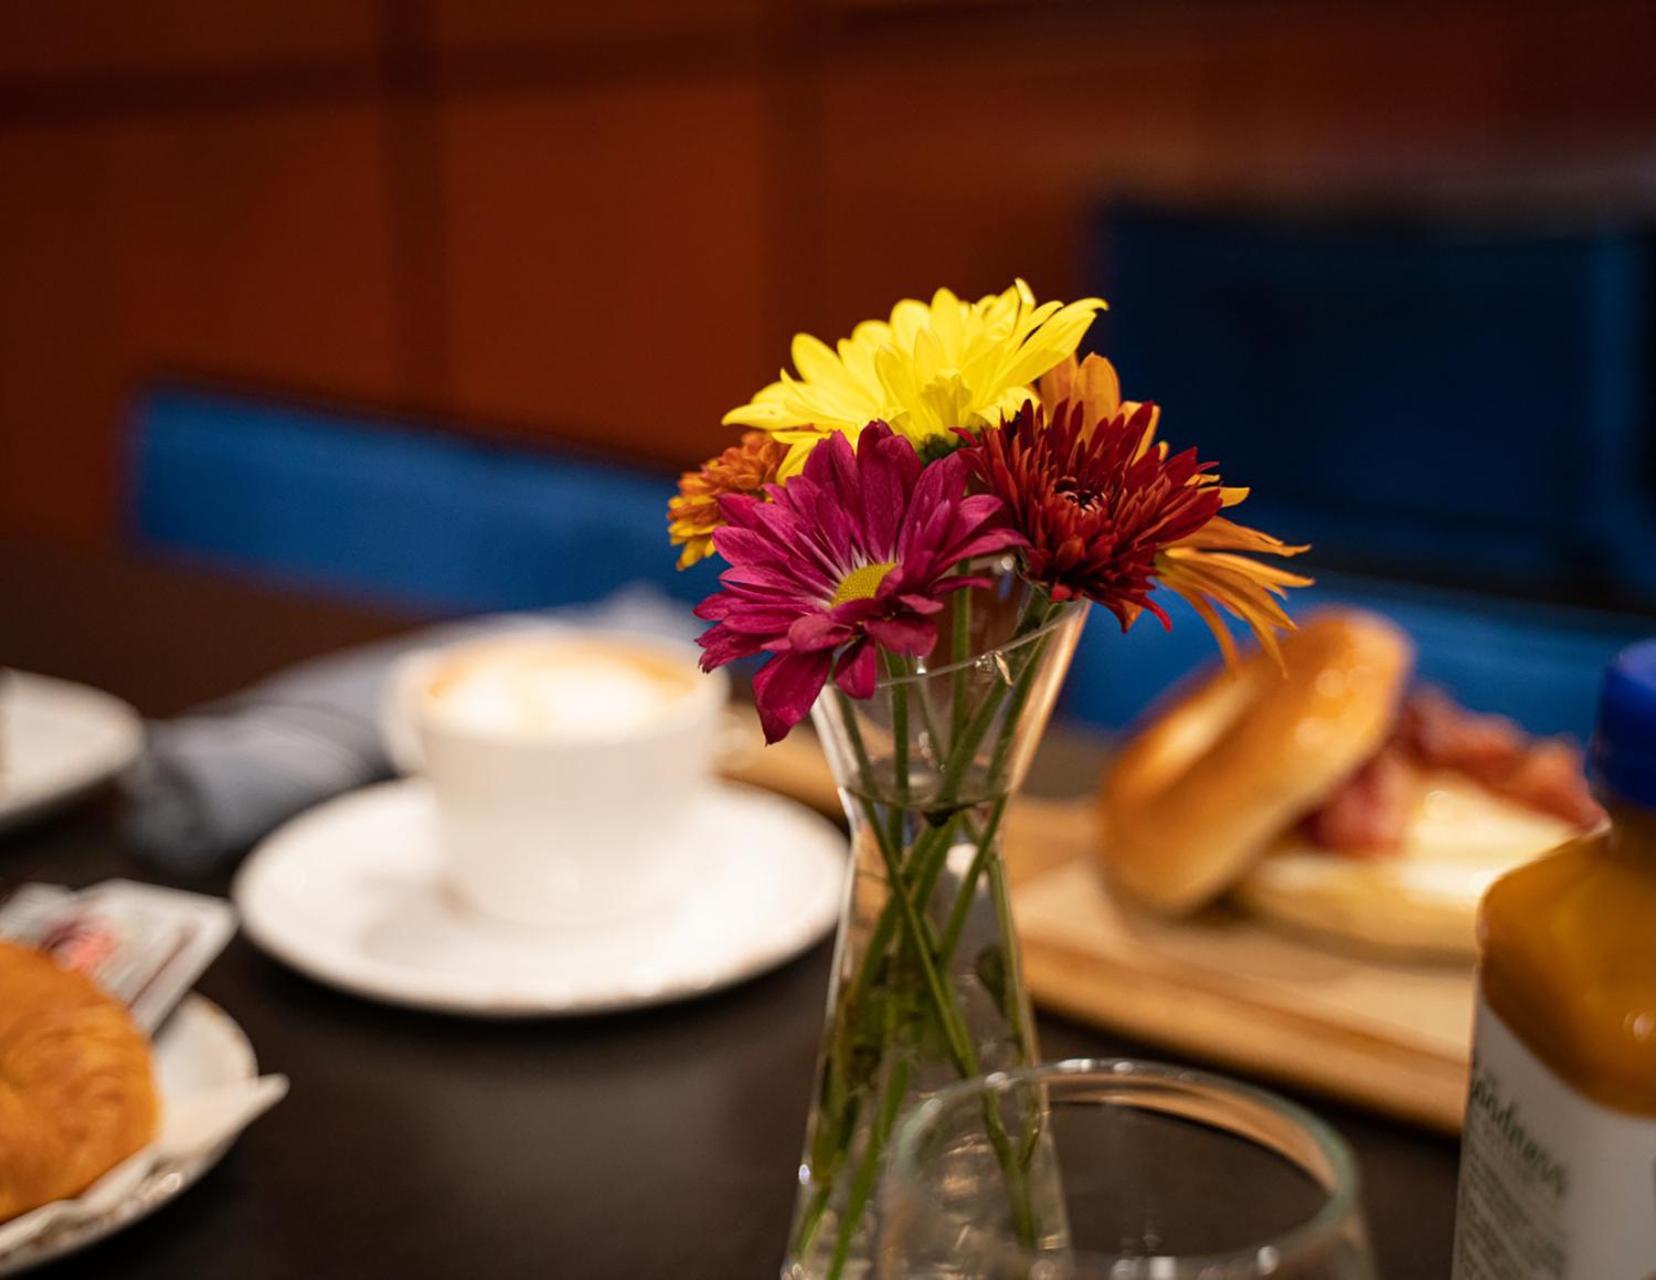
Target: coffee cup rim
<point x="705" y="696"/>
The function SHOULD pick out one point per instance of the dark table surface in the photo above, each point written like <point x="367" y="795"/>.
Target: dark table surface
<point x="660" y="1143"/>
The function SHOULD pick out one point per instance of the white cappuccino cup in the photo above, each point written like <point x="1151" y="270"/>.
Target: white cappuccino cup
<point x="565" y="765"/>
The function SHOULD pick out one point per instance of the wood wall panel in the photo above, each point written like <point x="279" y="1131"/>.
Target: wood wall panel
<point x="599" y="223"/>
<point x="248" y="248"/>
<point x="970" y="166"/>
<point x="606" y="259"/>
<point x="1355" y="89"/>
<point x="1584" y="82"/>
<point x="472" y="26"/>
<point x="62" y="352"/>
<point x="46" y="40"/>
<point x="258" y="247"/>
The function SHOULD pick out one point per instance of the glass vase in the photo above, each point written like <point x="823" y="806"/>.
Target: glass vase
<point x="927" y="989"/>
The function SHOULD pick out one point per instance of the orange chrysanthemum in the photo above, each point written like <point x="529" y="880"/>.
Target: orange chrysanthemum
<point x="1206" y="569"/>
<point x="1210" y="566"/>
<point x="744" y="468"/>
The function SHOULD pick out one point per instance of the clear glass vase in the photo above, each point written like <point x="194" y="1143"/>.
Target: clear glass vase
<point x="927" y="989"/>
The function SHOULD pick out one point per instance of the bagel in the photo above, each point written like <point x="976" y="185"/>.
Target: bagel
<point x="1421" y="901"/>
<point x="77" y="1089"/>
<point x="1219" y="773"/>
<point x="1329" y="798"/>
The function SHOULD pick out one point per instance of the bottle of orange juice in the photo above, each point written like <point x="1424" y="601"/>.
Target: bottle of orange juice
<point x="1558" y="1161"/>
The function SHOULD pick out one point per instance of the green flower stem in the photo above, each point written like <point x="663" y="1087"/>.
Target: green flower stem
<point x="1015" y="1165"/>
<point x="895" y="669"/>
<point x="968" y="884"/>
<point x="812" y="1217"/>
<point x="923" y="947"/>
<point x="997" y="764"/>
<point x="1023" y="685"/>
<point x="999" y="888"/>
<point x="840" y="1107"/>
<point x="837" y="1121"/>
<point x="1023" y="1210"/>
<point x="926" y="859"/>
<point x="1037" y="613"/>
<point x="853" y="735"/>
<point x="922" y="944"/>
<point x="962" y="637"/>
<point x="912" y="875"/>
<point x="933" y="744"/>
<point x="965" y="745"/>
<point x="862" y="1182"/>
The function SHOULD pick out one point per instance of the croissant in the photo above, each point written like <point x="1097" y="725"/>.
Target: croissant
<point x="77" y="1091"/>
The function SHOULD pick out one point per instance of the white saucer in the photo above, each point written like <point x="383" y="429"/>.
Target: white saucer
<point x="58" y="739"/>
<point x="199" y="1049"/>
<point x="351" y="893"/>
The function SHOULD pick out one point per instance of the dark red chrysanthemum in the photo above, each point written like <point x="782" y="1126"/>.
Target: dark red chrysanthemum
<point x="1096" y="501"/>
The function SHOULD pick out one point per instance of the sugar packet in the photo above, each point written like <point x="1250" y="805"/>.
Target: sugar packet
<point x="143" y="944"/>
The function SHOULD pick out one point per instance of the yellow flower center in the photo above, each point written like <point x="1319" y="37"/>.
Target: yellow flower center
<point x="862" y="582"/>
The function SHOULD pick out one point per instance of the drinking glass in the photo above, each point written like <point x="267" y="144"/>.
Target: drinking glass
<point x="1166" y="1174"/>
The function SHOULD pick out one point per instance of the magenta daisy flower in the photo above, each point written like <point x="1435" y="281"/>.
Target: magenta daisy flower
<point x="855" y="552"/>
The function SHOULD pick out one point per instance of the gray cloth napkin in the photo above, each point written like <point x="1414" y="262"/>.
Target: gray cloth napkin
<point x="212" y="781"/>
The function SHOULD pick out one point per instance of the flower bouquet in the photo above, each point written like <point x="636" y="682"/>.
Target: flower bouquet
<point x="915" y="527"/>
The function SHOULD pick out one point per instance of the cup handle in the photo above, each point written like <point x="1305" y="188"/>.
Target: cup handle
<point x="398" y="731"/>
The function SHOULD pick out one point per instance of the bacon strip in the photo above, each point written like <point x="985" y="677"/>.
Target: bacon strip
<point x="1369" y="813"/>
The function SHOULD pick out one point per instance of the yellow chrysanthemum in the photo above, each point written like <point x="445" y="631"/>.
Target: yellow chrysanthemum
<point x="929" y="369"/>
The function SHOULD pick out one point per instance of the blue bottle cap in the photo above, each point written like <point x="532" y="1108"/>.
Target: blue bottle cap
<point x="1624" y="746"/>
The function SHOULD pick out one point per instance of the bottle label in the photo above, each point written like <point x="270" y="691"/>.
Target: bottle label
<point x="1553" y="1186"/>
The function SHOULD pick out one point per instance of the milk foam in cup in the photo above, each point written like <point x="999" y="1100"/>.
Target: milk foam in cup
<point x="566" y="766"/>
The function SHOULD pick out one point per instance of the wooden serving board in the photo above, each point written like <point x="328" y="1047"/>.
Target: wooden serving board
<point x="1224" y="988"/>
<point x="1234" y="991"/>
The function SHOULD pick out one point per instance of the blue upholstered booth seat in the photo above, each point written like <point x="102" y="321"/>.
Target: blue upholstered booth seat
<point x="1538" y="664"/>
<point x="400" y="515"/>
<point x="1417" y="397"/>
<point x="442" y="524"/>
<point x="1422" y="398"/>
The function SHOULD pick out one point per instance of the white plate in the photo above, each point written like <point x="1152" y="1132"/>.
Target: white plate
<point x="200" y="1048"/>
<point x="351" y="893"/>
<point x="58" y="739"/>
